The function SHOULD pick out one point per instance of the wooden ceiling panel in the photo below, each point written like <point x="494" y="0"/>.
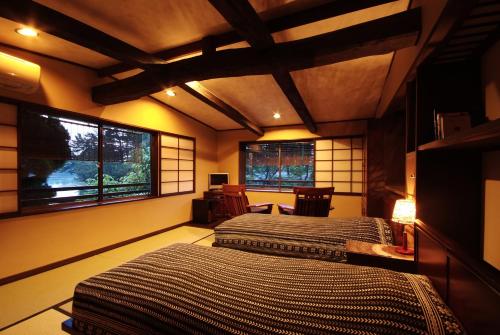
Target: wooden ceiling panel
<point x="197" y="109"/>
<point x="50" y="45"/>
<point x="342" y="21"/>
<point x="258" y="97"/>
<point x="343" y="91"/>
<point x="150" y="25"/>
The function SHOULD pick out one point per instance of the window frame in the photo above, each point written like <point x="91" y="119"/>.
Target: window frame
<point x="242" y="164"/>
<point x="101" y="124"/>
<point x="160" y="146"/>
<point x="242" y="161"/>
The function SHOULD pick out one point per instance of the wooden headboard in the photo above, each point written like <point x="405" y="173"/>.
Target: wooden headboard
<point x="470" y="288"/>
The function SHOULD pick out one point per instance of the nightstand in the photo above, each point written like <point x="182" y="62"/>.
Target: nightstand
<point x="379" y="255"/>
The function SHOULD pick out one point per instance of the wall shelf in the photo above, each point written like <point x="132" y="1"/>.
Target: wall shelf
<point x="483" y="136"/>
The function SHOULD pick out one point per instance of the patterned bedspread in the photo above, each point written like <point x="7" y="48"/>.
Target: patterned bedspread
<point x="201" y="290"/>
<point x="300" y="236"/>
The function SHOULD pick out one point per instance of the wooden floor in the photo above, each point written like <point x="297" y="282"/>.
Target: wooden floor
<point x="38" y="304"/>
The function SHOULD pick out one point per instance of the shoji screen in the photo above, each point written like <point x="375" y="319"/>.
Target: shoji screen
<point x="8" y="159"/>
<point x="177" y="164"/>
<point x="339" y="162"/>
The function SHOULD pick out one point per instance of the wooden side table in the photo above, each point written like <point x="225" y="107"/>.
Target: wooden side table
<point x="379" y="255"/>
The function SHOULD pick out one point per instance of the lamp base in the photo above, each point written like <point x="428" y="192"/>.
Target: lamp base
<point x="404" y="251"/>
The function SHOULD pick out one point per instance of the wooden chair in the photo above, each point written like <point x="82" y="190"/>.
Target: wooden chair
<point x="237" y="202"/>
<point x="309" y="201"/>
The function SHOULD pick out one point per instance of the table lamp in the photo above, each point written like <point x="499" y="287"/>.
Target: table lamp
<point x="404" y="213"/>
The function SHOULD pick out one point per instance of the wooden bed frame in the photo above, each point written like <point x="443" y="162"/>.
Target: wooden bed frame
<point x="469" y="287"/>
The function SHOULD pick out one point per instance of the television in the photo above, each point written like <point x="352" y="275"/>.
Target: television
<point x="215" y="180"/>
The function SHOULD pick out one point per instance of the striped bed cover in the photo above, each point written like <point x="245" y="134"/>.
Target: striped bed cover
<point x="193" y="289"/>
<point x="300" y="236"/>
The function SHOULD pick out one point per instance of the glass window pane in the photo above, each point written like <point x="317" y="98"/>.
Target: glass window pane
<point x="59" y="159"/>
<point x="262" y="165"/>
<point x="323" y="144"/>
<point x="169" y="141"/>
<point x="126" y="162"/>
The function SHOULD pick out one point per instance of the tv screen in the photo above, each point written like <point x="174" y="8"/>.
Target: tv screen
<point x="217" y="179"/>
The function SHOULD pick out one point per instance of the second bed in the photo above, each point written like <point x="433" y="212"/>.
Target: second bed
<point x="300" y="236"/>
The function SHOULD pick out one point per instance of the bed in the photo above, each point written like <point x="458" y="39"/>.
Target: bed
<point x="201" y="290"/>
<point x="300" y="236"/>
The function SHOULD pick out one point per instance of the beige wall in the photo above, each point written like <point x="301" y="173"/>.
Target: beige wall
<point x="228" y="159"/>
<point x="491" y="160"/>
<point x="33" y="241"/>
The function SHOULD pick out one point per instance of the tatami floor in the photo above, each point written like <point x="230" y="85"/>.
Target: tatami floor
<point x="38" y="304"/>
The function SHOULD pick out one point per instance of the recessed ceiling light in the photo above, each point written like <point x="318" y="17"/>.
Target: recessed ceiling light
<point x="27" y="31"/>
<point x="276" y="115"/>
<point x="170" y="93"/>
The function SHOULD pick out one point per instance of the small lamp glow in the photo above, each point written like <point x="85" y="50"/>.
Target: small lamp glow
<point x="276" y="115"/>
<point x="170" y="93"/>
<point x="27" y="31"/>
<point x="404" y="213"/>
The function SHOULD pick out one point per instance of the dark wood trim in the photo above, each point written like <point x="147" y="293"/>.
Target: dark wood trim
<point x="67" y="28"/>
<point x="371" y="38"/>
<point x="274" y="24"/>
<point x="203" y="94"/>
<point x="243" y="17"/>
<point x="79" y="257"/>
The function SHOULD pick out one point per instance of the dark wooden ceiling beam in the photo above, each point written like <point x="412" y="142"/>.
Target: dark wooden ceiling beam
<point x="199" y="91"/>
<point x="371" y="38"/>
<point x="275" y="24"/>
<point x="243" y="18"/>
<point x="69" y="29"/>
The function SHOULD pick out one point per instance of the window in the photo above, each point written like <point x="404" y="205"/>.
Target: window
<point x="8" y="159"/>
<point x="279" y="165"/>
<point x="340" y="163"/>
<point x="67" y="160"/>
<point x="177" y="164"/>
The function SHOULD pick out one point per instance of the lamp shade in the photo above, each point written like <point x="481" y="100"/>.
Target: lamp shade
<point x="404" y="211"/>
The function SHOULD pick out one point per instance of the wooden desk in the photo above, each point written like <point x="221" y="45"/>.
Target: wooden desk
<point x="379" y="255"/>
